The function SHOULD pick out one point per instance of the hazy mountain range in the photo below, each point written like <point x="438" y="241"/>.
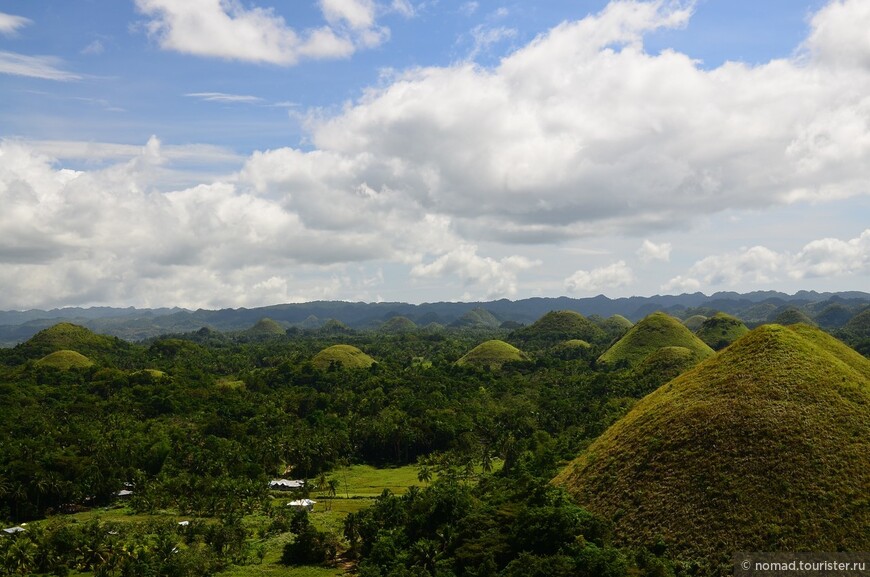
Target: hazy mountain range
<point x="138" y="324"/>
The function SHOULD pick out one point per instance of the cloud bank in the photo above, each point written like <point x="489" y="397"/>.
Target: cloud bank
<point x="452" y="173"/>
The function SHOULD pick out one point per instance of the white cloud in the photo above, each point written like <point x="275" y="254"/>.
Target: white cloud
<point x="228" y="29"/>
<point x="839" y="34"/>
<point x="759" y="265"/>
<point x="94" y="48"/>
<point x="10" y="23"/>
<point x="403" y="7"/>
<point x="485" y="37"/>
<point x="495" y="278"/>
<point x="610" y="277"/>
<point x="469" y="8"/>
<point x="225" y="98"/>
<point x="583" y="133"/>
<point x="650" y="251"/>
<point x="358" y="14"/>
<point x="45" y="67"/>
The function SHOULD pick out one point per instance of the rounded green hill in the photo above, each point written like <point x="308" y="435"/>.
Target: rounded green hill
<point x="477" y="318"/>
<point x="265" y="328"/>
<point x="492" y="354"/>
<point x="65" y="360"/>
<point x="71" y="337"/>
<point x="792" y="316"/>
<point x="763" y="447"/>
<point x="694" y="322"/>
<point x="666" y="363"/>
<point x="345" y="356"/>
<point x="652" y="333"/>
<point x="859" y="325"/>
<point x="398" y="325"/>
<point x="556" y="327"/>
<point x="721" y="330"/>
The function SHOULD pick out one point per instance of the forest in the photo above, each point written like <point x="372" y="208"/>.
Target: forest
<point x="193" y="426"/>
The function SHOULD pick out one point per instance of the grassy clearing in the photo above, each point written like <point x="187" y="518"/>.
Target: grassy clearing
<point x="368" y="481"/>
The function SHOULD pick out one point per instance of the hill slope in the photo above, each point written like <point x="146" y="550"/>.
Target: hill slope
<point x="65" y="360"/>
<point x="652" y="333"/>
<point x="67" y="336"/>
<point x="492" y="354"/>
<point x="721" y="330"/>
<point x="347" y="356"/>
<point x="556" y="327"/>
<point x="764" y="447"/>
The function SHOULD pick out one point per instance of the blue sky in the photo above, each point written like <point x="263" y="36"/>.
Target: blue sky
<point x="241" y="153"/>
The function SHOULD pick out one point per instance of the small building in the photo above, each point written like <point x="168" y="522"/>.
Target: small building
<point x="14" y="530"/>
<point x="306" y="504"/>
<point x="286" y="484"/>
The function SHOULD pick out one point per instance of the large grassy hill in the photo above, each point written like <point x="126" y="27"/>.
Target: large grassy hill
<point x="492" y="354"/>
<point x="721" y="330"/>
<point x="652" y="333"/>
<point x="345" y="356"/>
<point x="265" y="328"/>
<point x="65" y="360"/>
<point x="763" y="447"/>
<point x="398" y="325"/>
<point x="70" y="337"/>
<point x="556" y="327"/>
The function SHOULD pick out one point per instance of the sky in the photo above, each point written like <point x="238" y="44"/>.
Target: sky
<point x="241" y="153"/>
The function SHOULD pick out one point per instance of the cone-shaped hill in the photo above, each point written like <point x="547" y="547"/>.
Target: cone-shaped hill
<point x="721" y="330"/>
<point x="345" y="356"/>
<point x="763" y="447"/>
<point x="477" y="318"/>
<point x="265" y="328"/>
<point x="557" y="327"/>
<point x="791" y="316"/>
<point x="70" y="337"/>
<point x="652" y="333"/>
<point x="398" y="325"/>
<point x="859" y="325"/>
<point x="694" y="322"/>
<point x="65" y="360"/>
<point x="492" y="354"/>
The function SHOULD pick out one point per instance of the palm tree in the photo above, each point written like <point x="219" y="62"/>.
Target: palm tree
<point x="333" y="488"/>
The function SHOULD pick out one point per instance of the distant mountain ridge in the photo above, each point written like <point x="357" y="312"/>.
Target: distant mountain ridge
<point x="137" y="324"/>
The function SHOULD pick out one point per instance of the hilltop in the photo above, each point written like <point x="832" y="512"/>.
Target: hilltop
<point x="70" y="337"/>
<point x="558" y="326"/>
<point x="492" y="354"/>
<point x="65" y="360"/>
<point x="721" y="330"/>
<point x="345" y="356"/>
<point x="652" y="333"/>
<point x="763" y="447"/>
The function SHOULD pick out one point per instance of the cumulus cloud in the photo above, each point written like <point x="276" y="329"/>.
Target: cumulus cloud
<point x="759" y="265"/>
<point x="582" y="132"/>
<point x="227" y="29"/>
<point x="610" y="277"/>
<point x="10" y="23"/>
<point x="650" y="251"/>
<point x="495" y="278"/>
<point x="579" y="133"/>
